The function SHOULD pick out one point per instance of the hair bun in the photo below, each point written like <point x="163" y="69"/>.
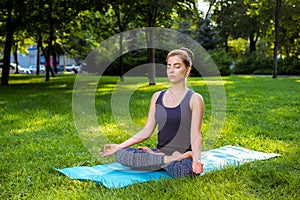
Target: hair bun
<point x="189" y="52"/>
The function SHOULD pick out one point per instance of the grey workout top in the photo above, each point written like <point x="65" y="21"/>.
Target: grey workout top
<point x="174" y="125"/>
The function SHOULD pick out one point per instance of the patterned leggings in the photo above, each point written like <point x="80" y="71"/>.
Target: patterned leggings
<point x="143" y="160"/>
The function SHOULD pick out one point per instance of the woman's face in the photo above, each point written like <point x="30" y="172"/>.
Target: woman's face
<point x="176" y="70"/>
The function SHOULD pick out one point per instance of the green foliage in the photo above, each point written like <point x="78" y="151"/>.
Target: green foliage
<point x="253" y="20"/>
<point x="38" y="133"/>
<point x="289" y="66"/>
<point x="131" y="60"/>
<point x="222" y="59"/>
<point x="79" y="26"/>
<point x="136" y="58"/>
<point x="206" y="35"/>
<point x="251" y="64"/>
<point x="262" y="65"/>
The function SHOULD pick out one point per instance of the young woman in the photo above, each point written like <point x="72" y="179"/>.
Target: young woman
<point x="178" y="112"/>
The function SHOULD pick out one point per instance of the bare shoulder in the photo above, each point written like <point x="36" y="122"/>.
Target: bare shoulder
<point x="155" y="96"/>
<point x="196" y="97"/>
<point x="196" y="100"/>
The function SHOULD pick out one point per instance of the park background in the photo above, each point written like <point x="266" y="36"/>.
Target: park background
<point x="245" y="38"/>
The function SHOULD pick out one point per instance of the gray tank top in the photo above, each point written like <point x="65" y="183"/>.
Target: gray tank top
<point x="174" y="125"/>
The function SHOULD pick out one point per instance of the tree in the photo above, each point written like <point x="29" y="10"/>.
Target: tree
<point x="211" y="4"/>
<point x="49" y="21"/>
<point x="241" y="19"/>
<point x="155" y="14"/>
<point x="13" y="13"/>
<point x="277" y="21"/>
<point x="57" y="18"/>
<point x="20" y="44"/>
<point x="124" y="13"/>
<point x="85" y="32"/>
<point x="206" y="35"/>
<point x="289" y="29"/>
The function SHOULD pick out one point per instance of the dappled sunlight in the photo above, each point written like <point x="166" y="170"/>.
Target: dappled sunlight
<point x="105" y="89"/>
<point x="61" y="86"/>
<point x="130" y="86"/>
<point x="114" y="133"/>
<point x="39" y="133"/>
<point x="16" y="79"/>
<point x="236" y="133"/>
<point x="246" y="76"/>
<point x="38" y="125"/>
<point x="209" y="82"/>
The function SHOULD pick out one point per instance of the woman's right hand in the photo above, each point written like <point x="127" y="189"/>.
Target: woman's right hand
<point x="110" y="149"/>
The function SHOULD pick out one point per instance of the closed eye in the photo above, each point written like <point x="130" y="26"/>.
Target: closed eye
<point x="177" y="66"/>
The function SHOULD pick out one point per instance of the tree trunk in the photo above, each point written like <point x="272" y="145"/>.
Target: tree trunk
<point x="47" y="56"/>
<point x="277" y="21"/>
<point x="10" y="29"/>
<point x="49" y="49"/>
<point x="16" y="58"/>
<point x="121" y="57"/>
<point x="252" y="43"/>
<point x="151" y="51"/>
<point x="211" y="3"/>
<point x="226" y="43"/>
<point x="121" y="28"/>
<point x="151" y="59"/>
<point x="47" y="66"/>
<point x="38" y="54"/>
<point x="54" y="61"/>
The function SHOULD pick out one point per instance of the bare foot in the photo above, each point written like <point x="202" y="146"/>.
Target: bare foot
<point x="149" y="150"/>
<point x="187" y="154"/>
<point x="146" y="149"/>
<point x="177" y="156"/>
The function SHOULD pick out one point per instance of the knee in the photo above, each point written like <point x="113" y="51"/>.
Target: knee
<point x="125" y="157"/>
<point x="178" y="169"/>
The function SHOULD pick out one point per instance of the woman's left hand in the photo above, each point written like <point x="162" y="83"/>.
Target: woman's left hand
<point x="197" y="167"/>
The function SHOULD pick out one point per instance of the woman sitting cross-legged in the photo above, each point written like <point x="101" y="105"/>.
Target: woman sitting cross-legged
<point x="178" y="113"/>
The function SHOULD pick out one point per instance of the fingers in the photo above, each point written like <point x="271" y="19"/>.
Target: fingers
<point x="106" y="153"/>
<point x="108" y="149"/>
<point x="103" y="154"/>
<point x="198" y="167"/>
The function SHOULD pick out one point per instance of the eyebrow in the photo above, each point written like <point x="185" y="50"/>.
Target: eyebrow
<point x="176" y="63"/>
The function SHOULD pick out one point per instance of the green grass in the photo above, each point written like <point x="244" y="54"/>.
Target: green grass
<point x="38" y="133"/>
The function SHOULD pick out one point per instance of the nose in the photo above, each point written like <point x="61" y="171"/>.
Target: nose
<point x="171" y="69"/>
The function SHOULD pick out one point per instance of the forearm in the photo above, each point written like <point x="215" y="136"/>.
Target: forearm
<point x="197" y="116"/>
<point x="137" y="138"/>
<point x="196" y="144"/>
<point x="131" y="141"/>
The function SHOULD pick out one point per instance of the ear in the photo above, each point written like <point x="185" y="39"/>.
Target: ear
<point x="187" y="74"/>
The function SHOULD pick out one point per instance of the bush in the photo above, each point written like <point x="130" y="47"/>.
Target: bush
<point x="262" y="65"/>
<point x="244" y="66"/>
<point x="136" y="58"/>
<point x="130" y="60"/>
<point x="222" y="60"/>
<point x="289" y="66"/>
<point x="254" y="65"/>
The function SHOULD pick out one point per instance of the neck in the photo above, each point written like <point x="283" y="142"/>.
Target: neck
<point x="179" y="87"/>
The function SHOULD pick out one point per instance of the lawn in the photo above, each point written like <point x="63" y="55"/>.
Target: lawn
<point x="38" y="133"/>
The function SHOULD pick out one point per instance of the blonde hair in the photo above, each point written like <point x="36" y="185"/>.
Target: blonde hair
<point x="185" y="54"/>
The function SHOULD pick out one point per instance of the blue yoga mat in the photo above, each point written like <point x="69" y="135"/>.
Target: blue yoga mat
<point x="115" y="175"/>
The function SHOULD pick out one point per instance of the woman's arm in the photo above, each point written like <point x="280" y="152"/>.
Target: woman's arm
<point x="142" y="135"/>
<point x="197" y="106"/>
